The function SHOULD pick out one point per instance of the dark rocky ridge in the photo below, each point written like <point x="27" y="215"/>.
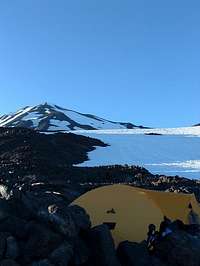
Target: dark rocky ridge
<point x="24" y="151"/>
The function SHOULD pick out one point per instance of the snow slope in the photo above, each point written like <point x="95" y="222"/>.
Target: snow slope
<point x="193" y="131"/>
<point x="176" y="152"/>
<point x="50" y="117"/>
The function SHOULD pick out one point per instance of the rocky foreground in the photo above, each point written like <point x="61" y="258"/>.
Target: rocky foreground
<point x="51" y="233"/>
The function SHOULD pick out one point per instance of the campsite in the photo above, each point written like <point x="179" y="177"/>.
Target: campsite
<point x="99" y="133"/>
<point x="134" y="209"/>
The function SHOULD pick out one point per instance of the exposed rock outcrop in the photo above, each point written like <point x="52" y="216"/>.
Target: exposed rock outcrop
<point x="47" y="237"/>
<point x="179" y="248"/>
<point x="133" y="254"/>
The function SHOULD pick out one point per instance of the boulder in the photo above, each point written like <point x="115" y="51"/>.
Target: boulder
<point x="41" y="241"/>
<point x="42" y="263"/>
<point x="80" y="217"/>
<point x="30" y="202"/>
<point x="5" y="192"/>
<point x="193" y="229"/>
<point x="81" y="252"/>
<point x="5" y="209"/>
<point x="18" y="207"/>
<point x="133" y="254"/>
<point x="157" y="262"/>
<point x="179" y="248"/>
<point x="14" y="225"/>
<point x="3" y="242"/>
<point x="60" y="220"/>
<point x="62" y="255"/>
<point x="102" y="246"/>
<point x="8" y="262"/>
<point x="12" y="251"/>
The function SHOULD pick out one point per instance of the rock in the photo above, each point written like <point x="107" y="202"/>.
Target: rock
<point x="18" y="207"/>
<point x="14" y="225"/>
<point x="81" y="252"/>
<point x="31" y="203"/>
<point x="179" y="248"/>
<point x="5" y="209"/>
<point x="5" y="193"/>
<point x="12" y="251"/>
<point x="193" y="229"/>
<point x="42" y="263"/>
<point x="41" y="242"/>
<point x="3" y="242"/>
<point x="52" y="208"/>
<point x="60" y="219"/>
<point x="133" y="254"/>
<point x="8" y="262"/>
<point x="157" y="262"/>
<point x="62" y="255"/>
<point x="103" y="248"/>
<point x="81" y="218"/>
<point x="67" y="220"/>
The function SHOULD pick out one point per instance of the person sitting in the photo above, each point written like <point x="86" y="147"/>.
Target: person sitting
<point x="165" y="227"/>
<point x="152" y="237"/>
<point x="193" y="217"/>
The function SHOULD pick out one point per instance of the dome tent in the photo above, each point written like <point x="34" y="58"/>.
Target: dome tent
<point x="129" y="210"/>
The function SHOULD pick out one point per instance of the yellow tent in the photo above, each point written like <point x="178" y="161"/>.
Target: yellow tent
<point x="133" y="209"/>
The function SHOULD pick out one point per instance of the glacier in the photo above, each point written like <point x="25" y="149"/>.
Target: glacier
<point x="175" y="152"/>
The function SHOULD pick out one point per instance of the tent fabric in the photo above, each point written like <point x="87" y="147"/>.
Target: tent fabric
<point x="133" y="209"/>
<point x="174" y="205"/>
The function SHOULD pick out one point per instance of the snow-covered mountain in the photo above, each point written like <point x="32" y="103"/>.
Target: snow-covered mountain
<point x="50" y="117"/>
<point x="169" y="151"/>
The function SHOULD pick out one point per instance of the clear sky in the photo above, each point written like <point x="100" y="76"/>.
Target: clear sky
<point x="127" y="60"/>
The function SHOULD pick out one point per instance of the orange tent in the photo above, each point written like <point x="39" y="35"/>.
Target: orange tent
<point x="133" y="209"/>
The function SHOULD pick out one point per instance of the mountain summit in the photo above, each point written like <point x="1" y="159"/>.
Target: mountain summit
<point x="50" y="117"/>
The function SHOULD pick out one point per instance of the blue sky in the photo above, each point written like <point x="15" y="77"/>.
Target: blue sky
<point x="136" y="61"/>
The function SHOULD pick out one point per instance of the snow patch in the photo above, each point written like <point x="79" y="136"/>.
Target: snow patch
<point x="58" y="125"/>
<point x="10" y="118"/>
<point x="193" y="164"/>
<point x="84" y="120"/>
<point x="159" y="154"/>
<point x="195" y="131"/>
<point x="34" y="117"/>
